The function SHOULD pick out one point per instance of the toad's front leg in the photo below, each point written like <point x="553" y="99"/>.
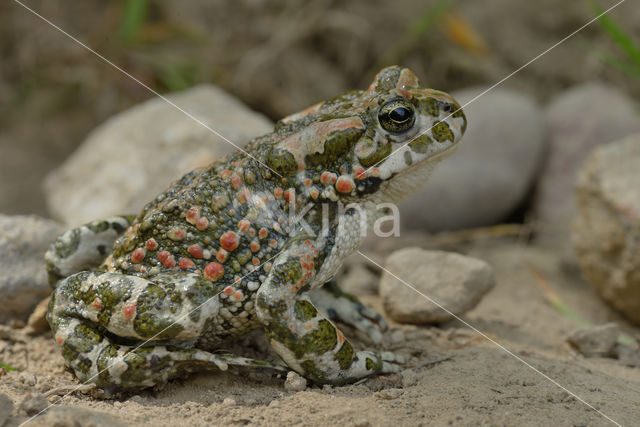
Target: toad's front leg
<point x="306" y="340"/>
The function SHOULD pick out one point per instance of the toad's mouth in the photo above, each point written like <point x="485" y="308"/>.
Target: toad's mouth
<point x="408" y="180"/>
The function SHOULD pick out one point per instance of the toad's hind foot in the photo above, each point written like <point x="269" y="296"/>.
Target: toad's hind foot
<point x="83" y="248"/>
<point x="338" y="305"/>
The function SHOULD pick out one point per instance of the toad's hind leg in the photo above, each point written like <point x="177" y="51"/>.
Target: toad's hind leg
<point x="83" y="248"/>
<point x="338" y="305"/>
<point x="125" y="332"/>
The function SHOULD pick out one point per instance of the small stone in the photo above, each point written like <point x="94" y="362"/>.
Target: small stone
<point x="454" y="281"/>
<point x="228" y="401"/>
<point x="274" y="404"/>
<point x="23" y="282"/>
<point x="28" y="378"/>
<point x="606" y="231"/>
<point x="37" y="321"/>
<point x="295" y="382"/>
<point x="6" y="408"/>
<point x="33" y="403"/>
<point x="595" y="341"/>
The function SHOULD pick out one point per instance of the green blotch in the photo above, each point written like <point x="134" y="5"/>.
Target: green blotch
<point x="345" y="356"/>
<point x="421" y="144"/>
<point x="320" y="340"/>
<point x="388" y="79"/>
<point x="147" y="322"/>
<point x="103" y="362"/>
<point x="429" y="106"/>
<point x="312" y="372"/>
<point x="441" y="132"/>
<point x="382" y="152"/>
<point x="70" y="245"/>
<point x="138" y="363"/>
<point x="289" y="272"/>
<point x="282" y="161"/>
<point x="77" y="345"/>
<point x="337" y="144"/>
<point x="373" y="366"/>
<point x="304" y="310"/>
<point x="98" y="226"/>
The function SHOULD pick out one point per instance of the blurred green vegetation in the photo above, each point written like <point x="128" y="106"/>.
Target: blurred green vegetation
<point x="7" y="367"/>
<point x="628" y="58"/>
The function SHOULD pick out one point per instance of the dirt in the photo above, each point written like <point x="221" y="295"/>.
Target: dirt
<point x="452" y="375"/>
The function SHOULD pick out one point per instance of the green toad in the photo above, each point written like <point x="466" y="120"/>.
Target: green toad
<point x="249" y="242"/>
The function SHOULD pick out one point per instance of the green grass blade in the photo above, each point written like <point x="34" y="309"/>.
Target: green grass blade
<point x="7" y="367"/>
<point x="618" y="35"/>
<point x="133" y="17"/>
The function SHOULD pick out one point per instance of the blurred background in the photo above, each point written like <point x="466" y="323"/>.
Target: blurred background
<point x="277" y="57"/>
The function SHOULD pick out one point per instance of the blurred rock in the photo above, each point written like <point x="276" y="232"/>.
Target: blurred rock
<point x="37" y="321"/>
<point x="6" y="408"/>
<point x="23" y="284"/>
<point x="595" y="341"/>
<point x="33" y="403"/>
<point x="606" y="231"/>
<point x="455" y="281"/>
<point x="75" y="416"/>
<point x="136" y="154"/>
<point x="492" y="170"/>
<point x="579" y="119"/>
<point x="295" y="382"/>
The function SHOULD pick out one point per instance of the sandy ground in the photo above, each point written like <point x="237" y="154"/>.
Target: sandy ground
<point x="452" y="376"/>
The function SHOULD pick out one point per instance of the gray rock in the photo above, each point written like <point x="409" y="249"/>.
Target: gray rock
<point x="6" y="408"/>
<point x="492" y="170"/>
<point x="33" y="403"/>
<point x="579" y="119"/>
<point x="455" y="281"/>
<point x="606" y="230"/>
<point x="136" y="154"/>
<point x="295" y="382"/>
<point x="75" y="416"/>
<point x="23" y="282"/>
<point x="595" y="341"/>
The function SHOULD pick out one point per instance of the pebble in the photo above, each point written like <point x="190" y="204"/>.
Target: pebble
<point x="295" y="382"/>
<point x="595" y="341"/>
<point x="23" y="283"/>
<point x="492" y="170"/>
<point x="228" y="401"/>
<point x="33" y="403"/>
<point x="6" y="408"/>
<point x="606" y="231"/>
<point x="580" y="119"/>
<point x="129" y="159"/>
<point x="455" y="281"/>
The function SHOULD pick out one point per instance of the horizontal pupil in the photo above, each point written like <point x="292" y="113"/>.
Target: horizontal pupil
<point x="399" y="115"/>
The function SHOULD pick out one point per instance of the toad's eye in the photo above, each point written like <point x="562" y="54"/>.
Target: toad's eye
<point x="397" y="116"/>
